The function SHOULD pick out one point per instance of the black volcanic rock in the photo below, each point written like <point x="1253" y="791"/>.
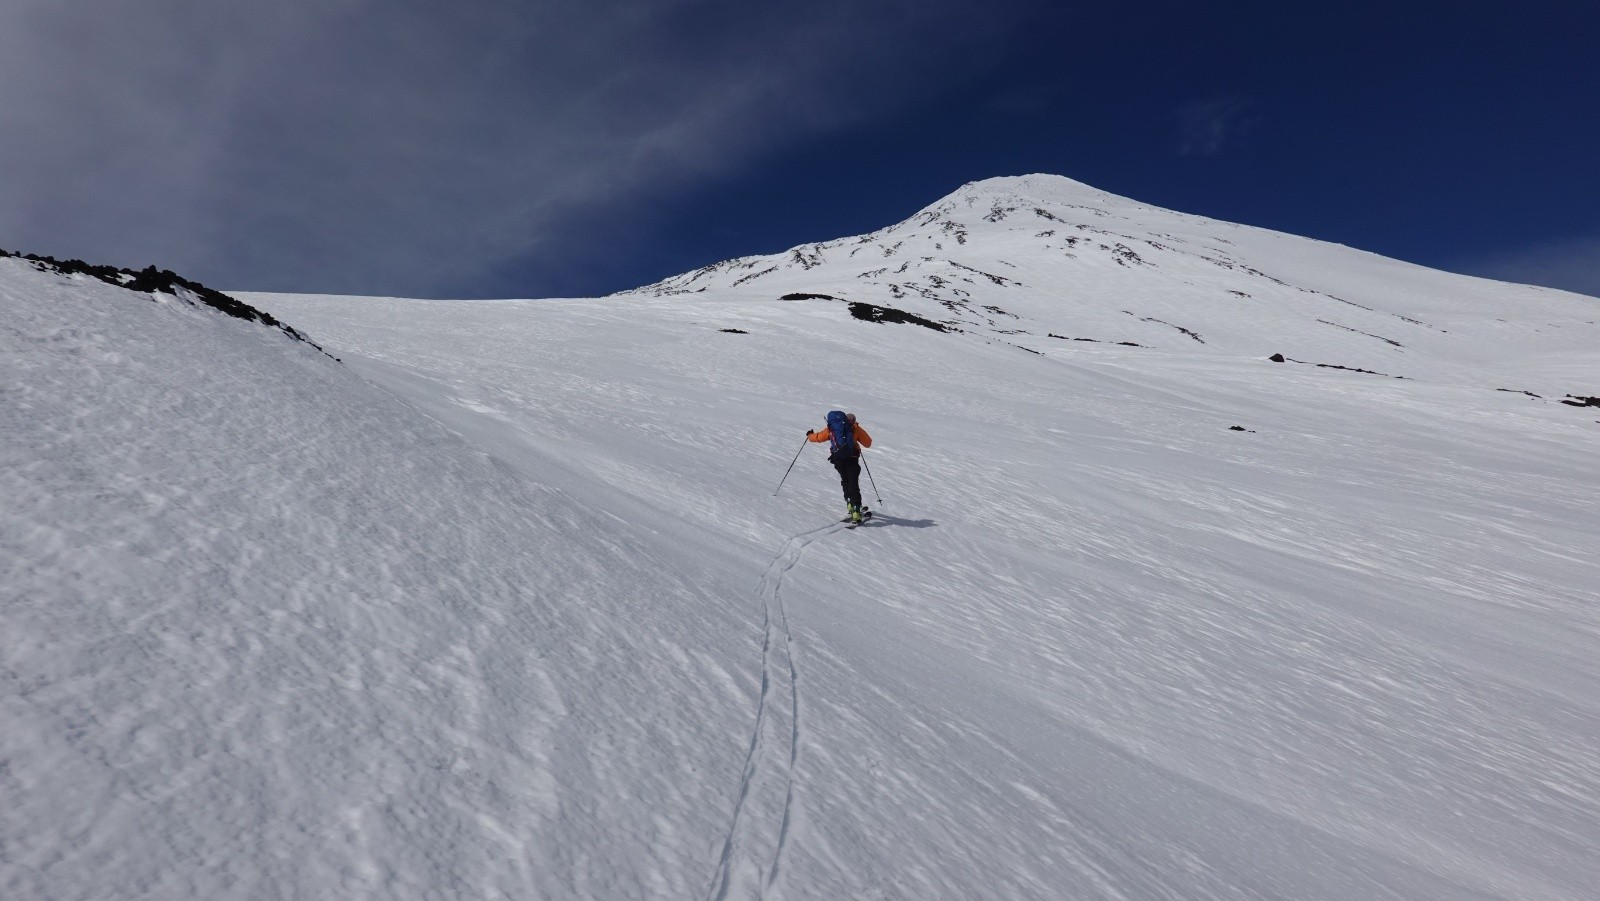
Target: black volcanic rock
<point x="874" y="313"/>
<point x="151" y="280"/>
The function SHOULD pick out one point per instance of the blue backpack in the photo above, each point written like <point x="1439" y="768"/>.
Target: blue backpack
<point x="842" y="433"/>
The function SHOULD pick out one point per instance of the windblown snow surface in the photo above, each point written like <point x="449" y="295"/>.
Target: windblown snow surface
<point x="504" y="605"/>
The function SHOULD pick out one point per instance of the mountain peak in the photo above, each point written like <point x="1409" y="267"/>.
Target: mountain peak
<point x="1040" y="184"/>
<point x="1038" y="187"/>
<point x="1031" y="259"/>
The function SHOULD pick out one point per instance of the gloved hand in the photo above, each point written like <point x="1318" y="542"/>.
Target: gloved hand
<point x="810" y="432"/>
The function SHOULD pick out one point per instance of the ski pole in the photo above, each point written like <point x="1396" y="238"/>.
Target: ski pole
<point x="791" y="465"/>
<point x="870" y="480"/>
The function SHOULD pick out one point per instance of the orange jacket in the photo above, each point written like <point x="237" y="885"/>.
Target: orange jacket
<point x="862" y="438"/>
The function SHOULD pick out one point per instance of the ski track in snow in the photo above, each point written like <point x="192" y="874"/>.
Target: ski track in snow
<point x="750" y="838"/>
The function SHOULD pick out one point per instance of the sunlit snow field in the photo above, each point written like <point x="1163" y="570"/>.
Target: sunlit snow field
<point x="504" y="603"/>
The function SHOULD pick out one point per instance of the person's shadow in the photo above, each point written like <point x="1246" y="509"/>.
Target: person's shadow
<point x="878" y="519"/>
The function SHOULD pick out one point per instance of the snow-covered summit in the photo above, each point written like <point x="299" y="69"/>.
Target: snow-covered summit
<point x="1036" y="188"/>
<point x="1032" y="260"/>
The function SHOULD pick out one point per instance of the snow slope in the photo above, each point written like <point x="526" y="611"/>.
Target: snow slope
<point x="270" y="631"/>
<point x="504" y="604"/>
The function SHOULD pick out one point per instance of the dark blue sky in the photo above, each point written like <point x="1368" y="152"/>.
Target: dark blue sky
<point x="565" y="148"/>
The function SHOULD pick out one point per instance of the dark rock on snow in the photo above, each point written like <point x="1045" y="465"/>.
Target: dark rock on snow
<point x="874" y="313"/>
<point x="151" y="280"/>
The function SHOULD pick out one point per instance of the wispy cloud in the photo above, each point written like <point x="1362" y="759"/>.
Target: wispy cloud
<point x="353" y="145"/>
<point x="1571" y="264"/>
<point x="1206" y="127"/>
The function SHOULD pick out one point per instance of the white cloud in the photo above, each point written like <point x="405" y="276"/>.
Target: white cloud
<point x="353" y="145"/>
<point x="1207" y="126"/>
<point x="1571" y="264"/>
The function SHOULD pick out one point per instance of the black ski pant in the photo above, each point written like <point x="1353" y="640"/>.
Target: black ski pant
<point x="850" y="477"/>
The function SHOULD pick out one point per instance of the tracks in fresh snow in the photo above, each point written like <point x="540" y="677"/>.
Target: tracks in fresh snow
<point x="752" y="851"/>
